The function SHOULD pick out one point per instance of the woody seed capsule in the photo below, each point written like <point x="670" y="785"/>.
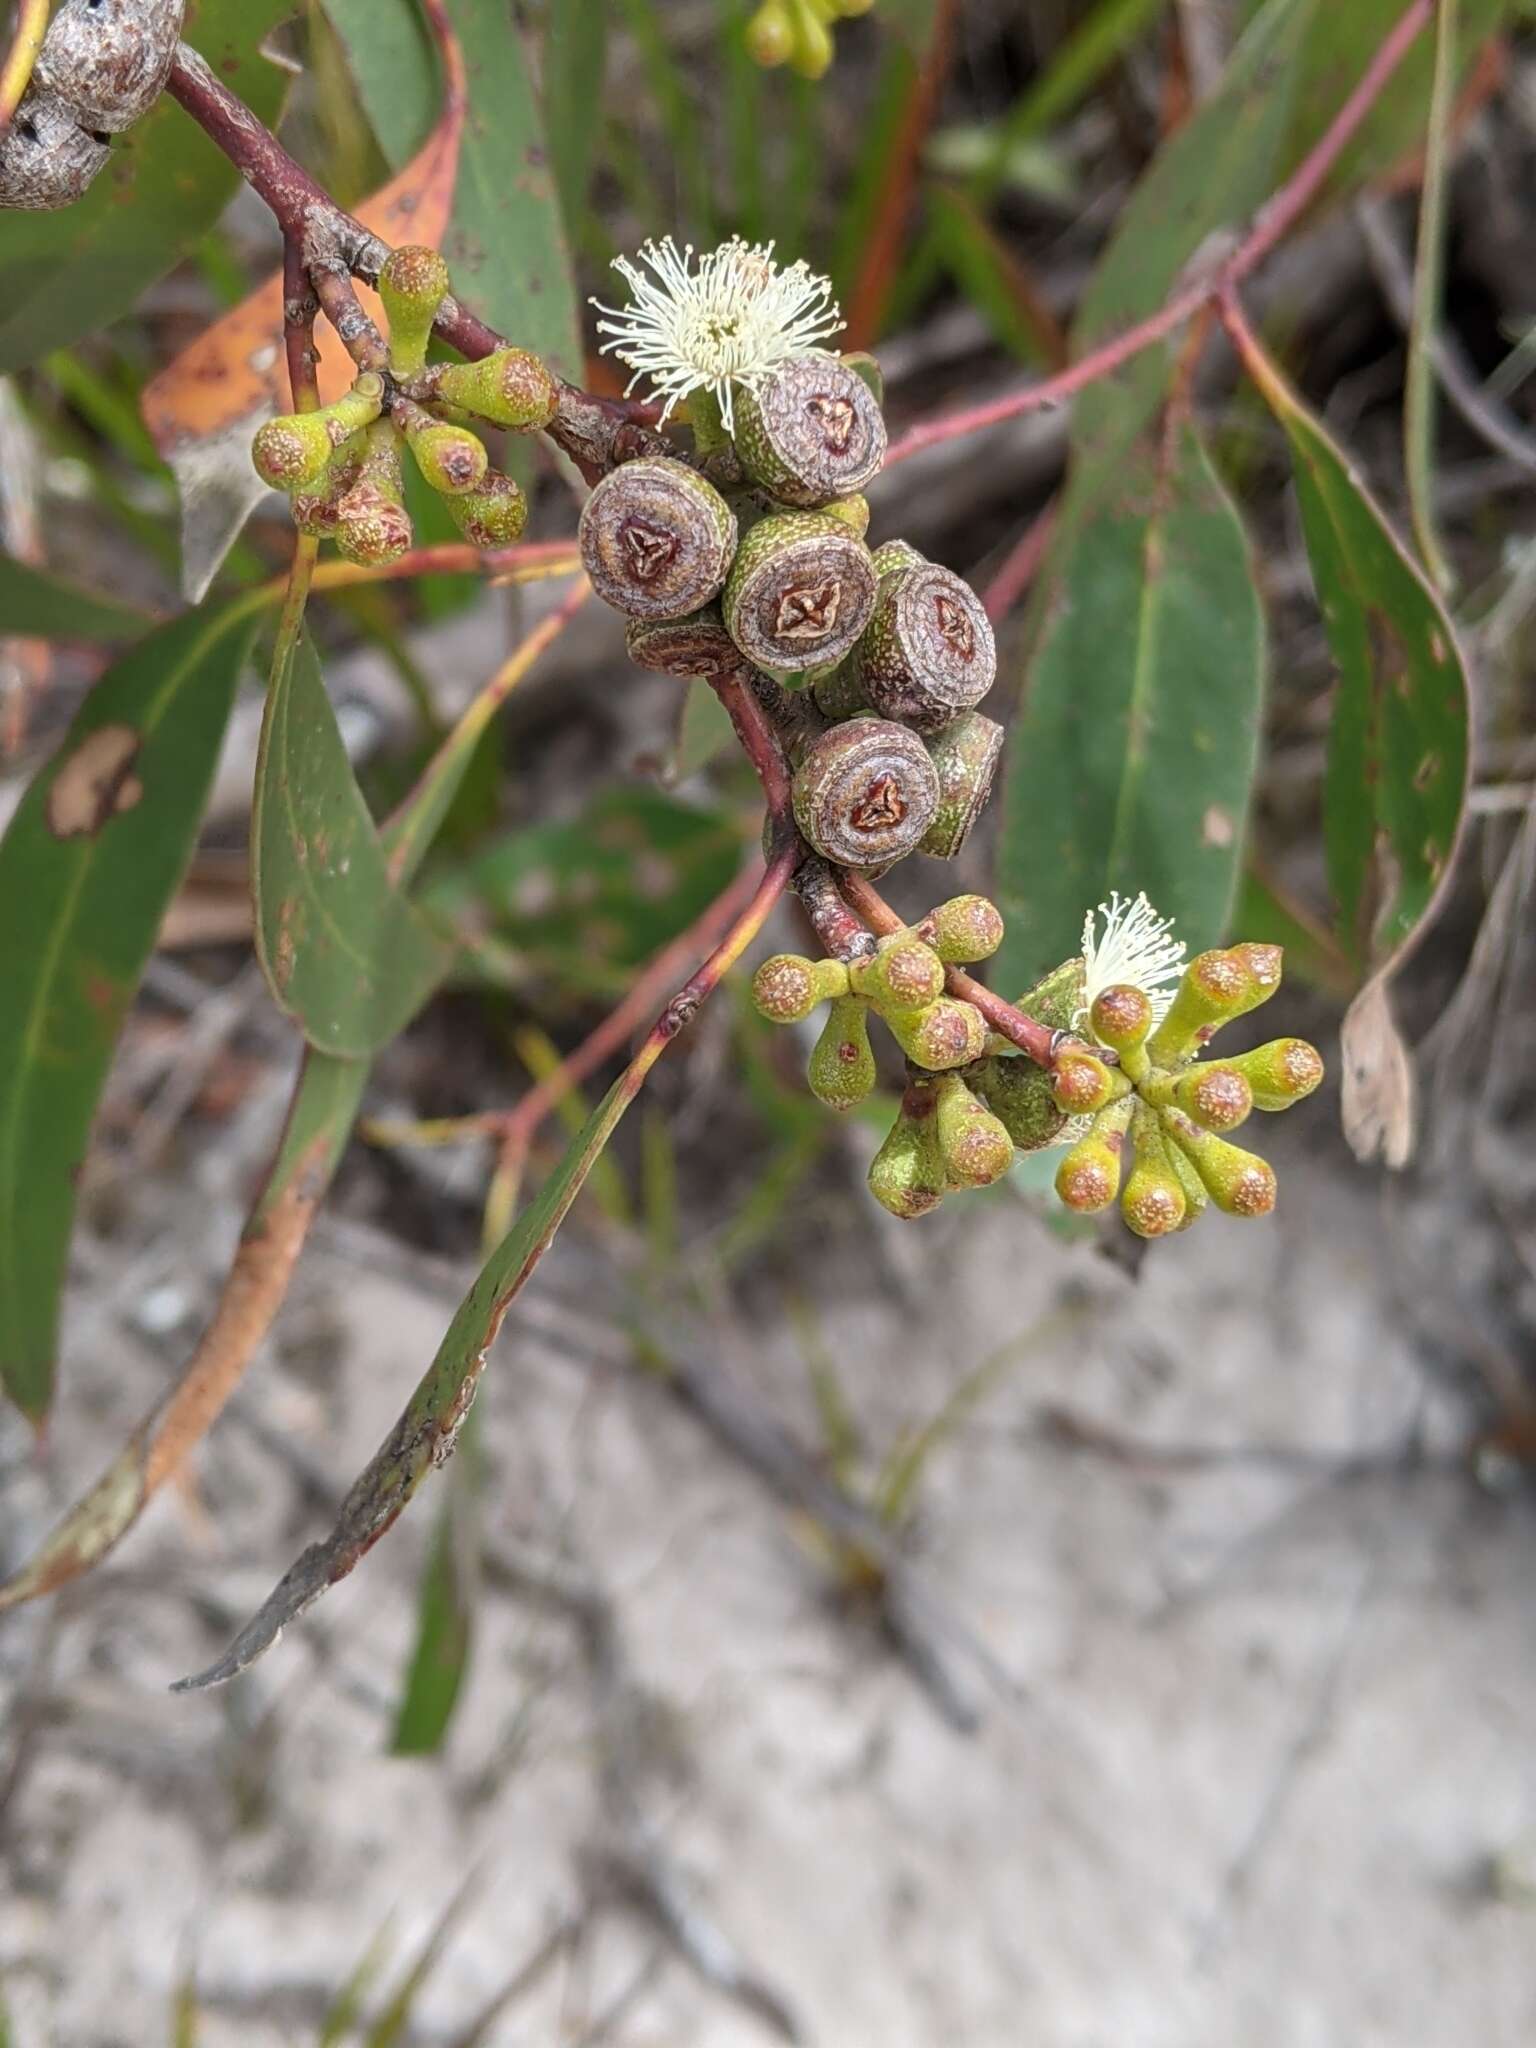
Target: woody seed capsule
<point x="800" y="593"/>
<point x="107" y="60"/>
<point x="46" y="158"/>
<point x="928" y="653"/>
<point x="656" y="539"/>
<point x="865" y="793"/>
<point x="965" y="755"/>
<point x="695" y="645"/>
<point x="810" y="432"/>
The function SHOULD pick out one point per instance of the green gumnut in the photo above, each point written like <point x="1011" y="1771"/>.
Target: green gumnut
<point x="1152" y="1201"/>
<point x="943" y="1034"/>
<point x="293" y="452"/>
<point x="771" y="34"/>
<point x="973" y="1143"/>
<point x="372" y="524"/>
<point x="892" y="555"/>
<point x="1019" y="1095"/>
<point x="903" y="974"/>
<point x="1081" y="1083"/>
<point x="1088" y="1178"/>
<point x="1280" y="1073"/>
<point x="842" y="1065"/>
<point x="907" y="1174"/>
<point x="811" y="434"/>
<point x="512" y="388"/>
<point x="1238" y="1182"/>
<point x="412" y="285"/>
<point x="788" y="987"/>
<point x="1217" y="987"/>
<point x="813" y="51"/>
<point x="962" y="930"/>
<point x="451" y="459"/>
<point x="1217" y="1097"/>
<point x="492" y="516"/>
<point x="315" y="510"/>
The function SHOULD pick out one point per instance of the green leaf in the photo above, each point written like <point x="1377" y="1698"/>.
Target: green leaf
<point x="68" y="274"/>
<point x="575" y="62"/>
<point x="703" y="733"/>
<point x="1398" y="748"/>
<point x="92" y="857"/>
<point x="394" y="67"/>
<point x="445" y="1612"/>
<point x="345" y="954"/>
<point x="1131" y="765"/>
<point x="424" y="1435"/>
<point x="37" y="606"/>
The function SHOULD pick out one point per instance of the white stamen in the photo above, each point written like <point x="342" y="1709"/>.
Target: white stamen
<point x="728" y="322"/>
<point x="1136" y="946"/>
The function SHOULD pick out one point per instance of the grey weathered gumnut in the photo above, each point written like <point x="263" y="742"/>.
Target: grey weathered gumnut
<point x="109" y="59"/>
<point x="657" y="539"/>
<point x="865" y="793"/>
<point x="965" y="755"/>
<point x="47" y="159"/>
<point x="810" y="432"/>
<point x="928" y="654"/>
<point x="800" y="593"/>
<point x="696" y="645"/>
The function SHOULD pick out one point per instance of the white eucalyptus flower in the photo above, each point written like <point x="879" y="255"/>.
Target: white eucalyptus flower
<point x="1136" y="946"/>
<point x="730" y="320"/>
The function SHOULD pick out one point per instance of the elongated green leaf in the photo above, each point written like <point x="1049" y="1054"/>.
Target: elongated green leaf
<point x="390" y="55"/>
<point x="575" y="59"/>
<point x="345" y="954"/>
<point x="424" y="1436"/>
<point x="38" y="606"/>
<point x="87" y="867"/>
<point x="445" y="1614"/>
<point x="1398" y="748"/>
<point x="70" y="273"/>
<point x="1131" y="765"/>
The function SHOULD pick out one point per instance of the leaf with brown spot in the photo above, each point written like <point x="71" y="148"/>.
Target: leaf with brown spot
<point x="88" y="864"/>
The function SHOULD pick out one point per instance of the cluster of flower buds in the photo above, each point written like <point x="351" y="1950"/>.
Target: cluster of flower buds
<point x="102" y="65"/>
<point x="752" y="557"/>
<point x="343" y="465"/>
<point x="1121" y="1081"/>
<point x="799" y="32"/>
<point x="1157" y="1138"/>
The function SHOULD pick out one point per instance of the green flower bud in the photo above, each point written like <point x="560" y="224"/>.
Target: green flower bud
<point x="511" y="388"/>
<point x="1280" y="1073"/>
<point x="293" y="452"/>
<point x="1196" y="1200"/>
<point x="965" y="755"/>
<point x="1018" y="1093"/>
<point x="813" y="51"/>
<point x="853" y="512"/>
<point x="865" y="792"/>
<point x="451" y="459"/>
<point x="800" y="592"/>
<point x="315" y="511"/>
<point x="1152" y="1201"/>
<point x="771" y="34"/>
<point x="973" y="1143"/>
<point x="903" y="974"/>
<point x="788" y="987"/>
<point x="656" y="539"/>
<point x="928" y="652"/>
<point x="1081" y="1083"/>
<point x="810" y="432"/>
<point x="1088" y="1178"/>
<point x="1121" y="1018"/>
<point x="963" y="930"/>
<point x="907" y="1174"/>
<point x="892" y="555"/>
<point x="943" y="1034"/>
<point x="842" y="1065"/>
<point x="491" y="516"/>
<point x="372" y="524"/>
<point x="1217" y="1097"/>
<point x="695" y="645"/>
<point x="1216" y="987"/>
<point x="1238" y="1182"/>
<point x="412" y="285"/>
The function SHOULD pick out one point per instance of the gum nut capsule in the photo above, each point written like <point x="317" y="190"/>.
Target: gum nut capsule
<point x="903" y="974"/>
<point x="1020" y="1096"/>
<point x="294" y="451"/>
<point x="46" y="158"/>
<point x="1280" y="1073"/>
<point x="838" y="693"/>
<point x="657" y="539"/>
<point x="975" y="1147"/>
<point x="928" y="652"/>
<point x="788" y="987"/>
<point x="841" y="1072"/>
<point x="1152" y="1200"/>
<point x="892" y="555"/>
<point x="906" y="1176"/>
<point x="451" y="459"/>
<point x="512" y="388"/>
<point x="1088" y="1178"/>
<point x="1217" y="1097"/>
<point x="800" y="593"/>
<point x="865" y="793"/>
<point x="1217" y="987"/>
<point x="1081" y="1083"/>
<point x="108" y="60"/>
<point x="412" y="285"/>
<point x="695" y="645"/>
<point x="943" y="1034"/>
<point x="810" y="432"/>
<point x="963" y="930"/>
<point x="492" y="516"/>
<point x="1238" y="1182"/>
<point x="965" y="754"/>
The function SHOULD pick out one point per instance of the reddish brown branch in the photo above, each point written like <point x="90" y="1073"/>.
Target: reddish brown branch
<point x="299" y="309"/>
<point x="759" y="741"/>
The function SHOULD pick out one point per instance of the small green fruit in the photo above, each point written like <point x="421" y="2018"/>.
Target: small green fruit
<point x="1216" y="987"/>
<point x="842" y="1065"/>
<point x="451" y="459"/>
<point x="907" y="1174"/>
<point x="1217" y="1097"/>
<point x="412" y="285"/>
<point x="511" y="388"/>
<point x="904" y="974"/>
<point x="963" y="930"/>
<point x="1280" y="1073"/>
<point x="973" y="1143"/>
<point x="943" y="1034"/>
<point x="1088" y="1178"/>
<point x="788" y="987"/>
<point x="1019" y="1095"/>
<point x="1238" y="1182"/>
<point x="491" y="516"/>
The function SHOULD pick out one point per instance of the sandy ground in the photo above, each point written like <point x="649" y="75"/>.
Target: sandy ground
<point x="1254" y="1764"/>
